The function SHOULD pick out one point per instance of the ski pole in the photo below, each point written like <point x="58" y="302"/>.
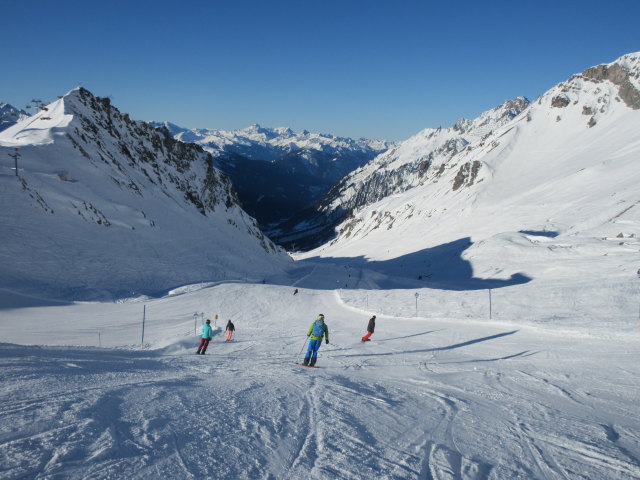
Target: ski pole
<point x="305" y="342"/>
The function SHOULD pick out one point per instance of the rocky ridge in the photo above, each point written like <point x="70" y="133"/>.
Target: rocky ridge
<point x="124" y="197"/>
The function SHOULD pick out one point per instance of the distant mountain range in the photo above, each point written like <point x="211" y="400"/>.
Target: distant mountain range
<point x="10" y="115"/>
<point x="277" y="171"/>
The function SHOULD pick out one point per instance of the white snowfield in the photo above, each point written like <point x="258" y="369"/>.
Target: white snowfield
<point x="454" y="397"/>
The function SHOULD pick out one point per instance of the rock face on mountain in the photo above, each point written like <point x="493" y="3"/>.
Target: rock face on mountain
<point x="277" y="171"/>
<point x="9" y="116"/>
<point x="98" y="192"/>
<point x="624" y="75"/>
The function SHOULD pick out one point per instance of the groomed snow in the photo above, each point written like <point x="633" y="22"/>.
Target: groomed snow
<point x="439" y="397"/>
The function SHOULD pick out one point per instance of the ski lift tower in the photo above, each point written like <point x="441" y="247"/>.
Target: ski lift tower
<point x="16" y="157"/>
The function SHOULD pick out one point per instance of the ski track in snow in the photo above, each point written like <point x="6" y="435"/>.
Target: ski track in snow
<point x="425" y="399"/>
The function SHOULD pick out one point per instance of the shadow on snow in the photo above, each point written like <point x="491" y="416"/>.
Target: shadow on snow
<point x="408" y="336"/>
<point x="523" y="354"/>
<point x="428" y="350"/>
<point x="441" y="267"/>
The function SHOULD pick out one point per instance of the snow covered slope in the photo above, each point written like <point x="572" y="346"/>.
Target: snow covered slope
<point x="10" y="115"/>
<point x="409" y="163"/>
<point x="105" y="204"/>
<point x="552" y="194"/>
<point x="406" y="165"/>
<point x="449" y="398"/>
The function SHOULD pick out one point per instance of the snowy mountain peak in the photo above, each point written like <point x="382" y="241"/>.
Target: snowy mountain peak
<point x="624" y="73"/>
<point x="107" y="193"/>
<point x="40" y="128"/>
<point x="493" y="118"/>
<point x="596" y="92"/>
<point x="10" y="115"/>
<point x="283" y="131"/>
<point x="268" y="144"/>
<point x="259" y="133"/>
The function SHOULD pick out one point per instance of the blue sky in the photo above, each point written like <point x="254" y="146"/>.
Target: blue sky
<point x="377" y="69"/>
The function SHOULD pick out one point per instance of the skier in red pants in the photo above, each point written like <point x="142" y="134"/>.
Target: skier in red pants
<point x="370" y="328"/>
<point x="207" y="333"/>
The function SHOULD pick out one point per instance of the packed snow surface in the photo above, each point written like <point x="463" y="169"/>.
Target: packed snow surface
<point x="460" y="396"/>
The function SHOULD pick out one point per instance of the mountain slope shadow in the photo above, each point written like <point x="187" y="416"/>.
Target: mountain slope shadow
<point x="441" y="267"/>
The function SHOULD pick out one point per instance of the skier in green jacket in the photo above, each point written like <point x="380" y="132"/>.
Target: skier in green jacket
<point x="316" y="332"/>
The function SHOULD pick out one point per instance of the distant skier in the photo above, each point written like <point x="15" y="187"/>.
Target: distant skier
<point x="317" y="330"/>
<point x="370" y="328"/>
<point x="207" y="333"/>
<point x="230" y="328"/>
<point x="295" y="292"/>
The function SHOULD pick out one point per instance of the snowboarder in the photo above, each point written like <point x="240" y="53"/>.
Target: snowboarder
<point x="370" y="328"/>
<point x="207" y="333"/>
<point x="230" y="328"/>
<point x="317" y="330"/>
<point x="295" y="292"/>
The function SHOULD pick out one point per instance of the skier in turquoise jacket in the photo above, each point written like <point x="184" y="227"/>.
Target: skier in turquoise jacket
<point x="207" y="333"/>
<point x="316" y="332"/>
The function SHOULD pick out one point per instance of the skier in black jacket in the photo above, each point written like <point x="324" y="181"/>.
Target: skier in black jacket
<point x="230" y="328"/>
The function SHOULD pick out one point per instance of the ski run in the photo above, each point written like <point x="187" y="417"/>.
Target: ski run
<point x="462" y="397"/>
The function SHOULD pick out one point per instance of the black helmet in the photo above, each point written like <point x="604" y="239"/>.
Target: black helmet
<point x="208" y="321"/>
<point x="321" y="315"/>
